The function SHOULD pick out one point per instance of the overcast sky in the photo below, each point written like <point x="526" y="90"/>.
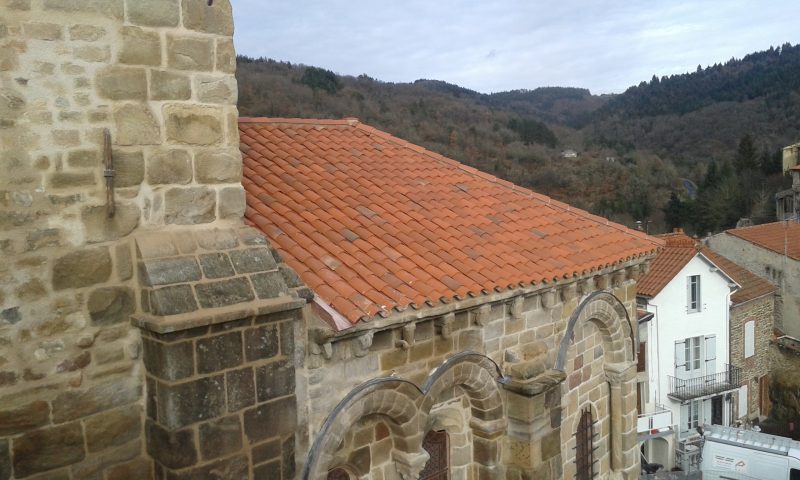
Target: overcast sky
<point x="496" y="45"/>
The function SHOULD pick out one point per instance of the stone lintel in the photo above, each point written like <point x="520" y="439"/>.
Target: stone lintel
<point x="214" y="316"/>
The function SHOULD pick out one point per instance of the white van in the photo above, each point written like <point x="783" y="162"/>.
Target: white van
<point x="733" y="453"/>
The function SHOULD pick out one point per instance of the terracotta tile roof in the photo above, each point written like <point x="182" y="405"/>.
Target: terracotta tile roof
<point x="752" y="286"/>
<point x="773" y="236"/>
<point x="374" y="224"/>
<point x="676" y="254"/>
<point x="679" y="250"/>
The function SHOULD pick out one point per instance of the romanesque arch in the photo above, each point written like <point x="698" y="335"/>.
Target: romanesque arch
<point x="611" y="317"/>
<point x="406" y="408"/>
<point x="394" y="399"/>
<point x="608" y="314"/>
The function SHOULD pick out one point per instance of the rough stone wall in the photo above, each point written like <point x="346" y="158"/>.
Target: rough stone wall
<point x="761" y="311"/>
<point x="410" y="350"/>
<point x="783" y="272"/>
<point x="158" y="74"/>
<point x="784" y="393"/>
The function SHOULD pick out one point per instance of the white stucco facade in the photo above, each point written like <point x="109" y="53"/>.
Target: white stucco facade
<point x="687" y="339"/>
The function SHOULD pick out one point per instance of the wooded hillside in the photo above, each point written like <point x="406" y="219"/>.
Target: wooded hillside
<point x="698" y="150"/>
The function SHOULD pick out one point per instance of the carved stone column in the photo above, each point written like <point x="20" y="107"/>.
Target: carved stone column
<point x="622" y="382"/>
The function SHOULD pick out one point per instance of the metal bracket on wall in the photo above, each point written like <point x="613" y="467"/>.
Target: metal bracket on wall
<point x="108" y="172"/>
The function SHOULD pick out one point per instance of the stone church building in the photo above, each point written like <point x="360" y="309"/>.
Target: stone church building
<point x="362" y="308"/>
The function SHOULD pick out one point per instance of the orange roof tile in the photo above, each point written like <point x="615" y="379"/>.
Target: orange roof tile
<point x="778" y="236"/>
<point x="679" y="250"/>
<point x="376" y="224"/>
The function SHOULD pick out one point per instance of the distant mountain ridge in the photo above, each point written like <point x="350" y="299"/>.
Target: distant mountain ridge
<point x="654" y="134"/>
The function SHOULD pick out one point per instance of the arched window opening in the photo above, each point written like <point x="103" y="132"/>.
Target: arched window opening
<point x="584" y="448"/>
<point x="437" y="444"/>
<point x="339" y="473"/>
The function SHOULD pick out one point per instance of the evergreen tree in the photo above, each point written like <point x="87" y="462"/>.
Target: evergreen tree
<point x="675" y="212"/>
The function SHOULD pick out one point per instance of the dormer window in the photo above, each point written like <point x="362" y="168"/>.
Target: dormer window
<point x="693" y="294"/>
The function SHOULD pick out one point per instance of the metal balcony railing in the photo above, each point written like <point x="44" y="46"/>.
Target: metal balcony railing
<point x="716" y="383"/>
<point x="656" y="421"/>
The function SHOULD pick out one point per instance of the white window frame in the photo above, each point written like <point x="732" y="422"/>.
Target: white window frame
<point x="749" y="338"/>
<point x="692" y="353"/>
<point x="693" y="411"/>
<point x="693" y="300"/>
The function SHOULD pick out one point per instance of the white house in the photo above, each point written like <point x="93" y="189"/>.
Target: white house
<point x="686" y="381"/>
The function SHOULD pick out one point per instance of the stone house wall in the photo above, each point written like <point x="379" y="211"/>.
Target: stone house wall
<point x="540" y="433"/>
<point x="761" y="311"/>
<point x="158" y="75"/>
<point x="782" y="271"/>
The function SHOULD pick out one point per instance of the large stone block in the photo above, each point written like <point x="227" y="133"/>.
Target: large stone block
<point x="173" y="449"/>
<point x="101" y="228"/>
<point x="190" y="53"/>
<point x="219" y="352"/>
<point x="231" y="203"/>
<point x="274" y="380"/>
<point x="82" y="268"/>
<point x="15" y="419"/>
<point x="140" y="47"/>
<point x="226" y="56"/>
<point x="113" y="428"/>
<point x="225" y="292"/>
<point x="219" y="438"/>
<point x="136" y="125"/>
<point x="113" y="9"/>
<point x="193" y="125"/>
<point x="47" y="449"/>
<point x="169" y="361"/>
<point x="165" y="271"/>
<point x="189" y="206"/>
<point x="182" y="404"/>
<point x="218" y="167"/>
<point x="165" y="85"/>
<point x="172" y="300"/>
<point x="232" y="468"/>
<point x="261" y="342"/>
<point x="269" y="285"/>
<point x="129" y="168"/>
<point x="71" y="180"/>
<point x="221" y="90"/>
<point x="75" y="404"/>
<point x="253" y="260"/>
<point x="272" y="419"/>
<point x="154" y="13"/>
<point x="215" y="17"/>
<point x="241" y="389"/>
<point x="216" y="265"/>
<point x="171" y="167"/>
<point x="122" y="83"/>
<point x="86" y="33"/>
<point x="111" y="305"/>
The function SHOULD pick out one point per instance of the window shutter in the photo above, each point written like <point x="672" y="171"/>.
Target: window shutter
<point x="680" y="357"/>
<point x="711" y="354"/>
<point x="743" y="401"/>
<point x="749" y="339"/>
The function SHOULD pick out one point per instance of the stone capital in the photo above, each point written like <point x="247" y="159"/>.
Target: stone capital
<point x="619" y="373"/>
<point x="409" y="465"/>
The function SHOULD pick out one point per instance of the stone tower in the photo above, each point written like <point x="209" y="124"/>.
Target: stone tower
<point x="144" y="331"/>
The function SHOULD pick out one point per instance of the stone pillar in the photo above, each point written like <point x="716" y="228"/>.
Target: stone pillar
<point x="622" y="385"/>
<point x="533" y="403"/>
<point x="218" y="342"/>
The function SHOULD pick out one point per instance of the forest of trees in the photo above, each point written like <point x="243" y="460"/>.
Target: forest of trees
<point x="719" y="128"/>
